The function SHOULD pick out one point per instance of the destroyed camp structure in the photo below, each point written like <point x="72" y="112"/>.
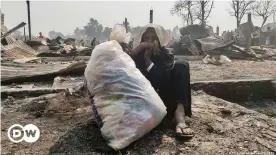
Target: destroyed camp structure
<point x="233" y="104"/>
<point x="267" y="35"/>
<point x="198" y="40"/>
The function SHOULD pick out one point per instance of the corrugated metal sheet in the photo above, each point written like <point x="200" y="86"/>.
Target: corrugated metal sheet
<point x="22" y="24"/>
<point x="17" y="53"/>
<point x="20" y="72"/>
<point x="18" y="50"/>
<point x="212" y="42"/>
<point x="9" y="39"/>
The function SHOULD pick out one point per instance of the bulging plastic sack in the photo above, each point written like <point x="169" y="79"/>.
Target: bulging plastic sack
<point x="126" y="102"/>
<point x="224" y="59"/>
<point x="206" y="59"/>
<point x="119" y="34"/>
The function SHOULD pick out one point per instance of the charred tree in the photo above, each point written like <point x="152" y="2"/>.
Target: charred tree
<point x="239" y="8"/>
<point x="264" y="9"/>
<point x="204" y="9"/>
<point x="185" y="9"/>
<point x="191" y="11"/>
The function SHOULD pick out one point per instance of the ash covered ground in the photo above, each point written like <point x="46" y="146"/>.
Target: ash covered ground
<point x="222" y="127"/>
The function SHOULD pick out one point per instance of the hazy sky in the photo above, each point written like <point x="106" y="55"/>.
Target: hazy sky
<point x="65" y="16"/>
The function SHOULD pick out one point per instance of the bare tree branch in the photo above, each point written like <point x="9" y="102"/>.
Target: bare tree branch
<point x="191" y="11"/>
<point x="264" y="9"/>
<point x="240" y="8"/>
<point x="210" y="9"/>
<point x="184" y="9"/>
<point x="204" y="9"/>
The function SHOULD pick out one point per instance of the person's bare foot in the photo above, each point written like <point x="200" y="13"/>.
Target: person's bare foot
<point x="182" y="129"/>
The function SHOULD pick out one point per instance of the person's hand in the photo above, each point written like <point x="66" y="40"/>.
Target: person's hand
<point x="152" y="47"/>
<point x="147" y="45"/>
<point x="156" y="49"/>
<point x="142" y="47"/>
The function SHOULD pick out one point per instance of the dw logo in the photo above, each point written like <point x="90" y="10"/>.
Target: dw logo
<point x="17" y="133"/>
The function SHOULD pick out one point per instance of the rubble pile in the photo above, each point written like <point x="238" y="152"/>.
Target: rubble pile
<point x="12" y="48"/>
<point x="263" y="52"/>
<point x="60" y="47"/>
<point x="197" y="40"/>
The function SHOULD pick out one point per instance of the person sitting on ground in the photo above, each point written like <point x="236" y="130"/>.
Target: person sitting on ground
<point x="170" y="79"/>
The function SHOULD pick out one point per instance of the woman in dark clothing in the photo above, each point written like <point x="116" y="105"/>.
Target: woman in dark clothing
<point x="171" y="80"/>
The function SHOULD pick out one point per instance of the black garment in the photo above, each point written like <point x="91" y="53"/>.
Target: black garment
<point x="178" y="89"/>
<point x="162" y="62"/>
<point x="171" y="80"/>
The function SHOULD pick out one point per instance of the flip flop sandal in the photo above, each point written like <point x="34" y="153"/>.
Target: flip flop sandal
<point x="182" y="134"/>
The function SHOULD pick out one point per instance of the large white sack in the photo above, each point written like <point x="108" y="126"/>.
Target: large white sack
<point x="125" y="100"/>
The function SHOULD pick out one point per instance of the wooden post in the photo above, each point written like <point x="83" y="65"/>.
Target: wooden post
<point x="29" y="19"/>
<point x="247" y="31"/>
<point x="2" y="19"/>
<point x="248" y="42"/>
<point x="217" y="31"/>
<point x="249" y="17"/>
<point x="126" y="24"/>
<point x="151" y="16"/>
<point x="248" y="39"/>
<point x="25" y="34"/>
